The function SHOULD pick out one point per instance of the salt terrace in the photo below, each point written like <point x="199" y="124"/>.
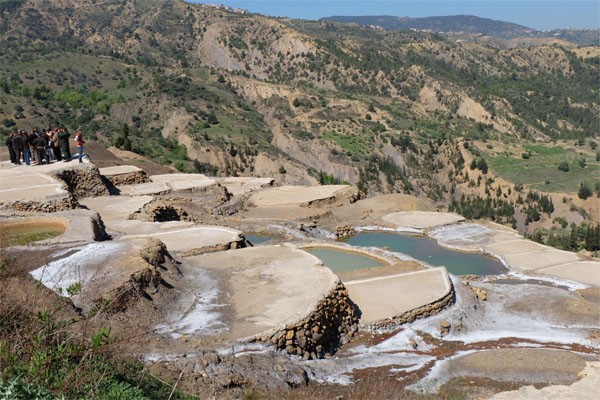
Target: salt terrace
<point x="211" y="288"/>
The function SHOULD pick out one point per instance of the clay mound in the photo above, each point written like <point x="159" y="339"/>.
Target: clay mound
<point x="111" y="276"/>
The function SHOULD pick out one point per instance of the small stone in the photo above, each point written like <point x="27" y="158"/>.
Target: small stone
<point x="413" y="343"/>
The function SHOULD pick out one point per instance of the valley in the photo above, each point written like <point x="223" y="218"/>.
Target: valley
<point x="281" y="208"/>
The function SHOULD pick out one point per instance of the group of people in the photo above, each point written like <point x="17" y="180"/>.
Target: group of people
<point x="51" y="144"/>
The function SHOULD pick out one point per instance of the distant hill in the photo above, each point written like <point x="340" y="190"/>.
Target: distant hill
<point x="219" y="91"/>
<point x="451" y="23"/>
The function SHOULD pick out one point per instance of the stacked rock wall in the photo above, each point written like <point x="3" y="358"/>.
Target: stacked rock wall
<point x="66" y="203"/>
<point x="130" y="178"/>
<point x="419" y="312"/>
<point x="333" y="322"/>
<point x="83" y="182"/>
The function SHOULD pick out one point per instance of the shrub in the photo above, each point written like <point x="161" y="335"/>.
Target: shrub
<point x="7" y="122"/>
<point x="584" y="191"/>
<point x="563" y="166"/>
<point x="482" y="165"/>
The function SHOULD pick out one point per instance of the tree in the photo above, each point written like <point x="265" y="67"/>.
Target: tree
<point x="563" y="166"/>
<point x="584" y="191"/>
<point x="7" y="122"/>
<point x="122" y="141"/>
<point x="282" y="170"/>
<point x="482" y="165"/>
<point x="4" y="85"/>
<point x="212" y="119"/>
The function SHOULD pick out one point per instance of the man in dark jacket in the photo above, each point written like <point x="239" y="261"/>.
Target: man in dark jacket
<point x="63" y="139"/>
<point x="11" y="150"/>
<point x="39" y="145"/>
<point x="25" y="146"/>
<point x="17" y="147"/>
<point x="32" y="136"/>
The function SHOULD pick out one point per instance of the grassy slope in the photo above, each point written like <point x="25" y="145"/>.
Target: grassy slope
<point x="540" y="170"/>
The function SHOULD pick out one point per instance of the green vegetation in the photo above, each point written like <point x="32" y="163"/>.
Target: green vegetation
<point x="579" y="237"/>
<point x="42" y="358"/>
<point x="553" y="164"/>
<point x="584" y="191"/>
<point x="22" y="235"/>
<point x="478" y="207"/>
<point x="352" y="145"/>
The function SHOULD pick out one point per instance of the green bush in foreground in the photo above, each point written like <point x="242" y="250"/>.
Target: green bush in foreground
<point x="42" y="357"/>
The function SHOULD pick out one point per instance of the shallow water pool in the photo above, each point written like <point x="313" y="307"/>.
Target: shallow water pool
<point x="426" y="249"/>
<point x="343" y="261"/>
<point x="258" y="239"/>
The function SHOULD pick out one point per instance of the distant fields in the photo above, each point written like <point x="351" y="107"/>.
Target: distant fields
<point x="540" y="170"/>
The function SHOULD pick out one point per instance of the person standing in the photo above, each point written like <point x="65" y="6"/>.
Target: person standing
<point x="34" y="154"/>
<point x="39" y="146"/>
<point x="26" y="149"/>
<point x="17" y="147"/>
<point x="80" y="142"/>
<point x="11" y="150"/>
<point x="47" y="135"/>
<point x="55" y="144"/>
<point x="63" y="140"/>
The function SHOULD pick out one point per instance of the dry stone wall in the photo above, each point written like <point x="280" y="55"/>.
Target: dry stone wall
<point x="239" y="244"/>
<point x="130" y="178"/>
<point x="83" y="182"/>
<point x="419" y="312"/>
<point x="333" y="322"/>
<point x="66" y="203"/>
<point x="163" y="211"/>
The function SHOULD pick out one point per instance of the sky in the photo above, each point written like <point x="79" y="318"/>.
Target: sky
<point x="537" y="14"/>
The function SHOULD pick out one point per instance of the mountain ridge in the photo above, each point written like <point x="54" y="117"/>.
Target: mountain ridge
<point x="470" y="24"/>
<point x="447" y="23"/>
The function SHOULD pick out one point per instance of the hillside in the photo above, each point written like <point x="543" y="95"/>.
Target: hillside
<point x="450" y="23"/>
<point x="207" y="89"/>
<point x="475" y="26"/>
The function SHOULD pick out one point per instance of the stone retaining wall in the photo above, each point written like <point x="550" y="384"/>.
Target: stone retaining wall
<point x="333" y="322"/>
<point x="83" y="182"/>
<point x="66" y="203"/>
<point x="129" y="178"/>
<point x="163" y="211"/>
<point x="419" y="312"/>
<point x="239" y="244"/>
